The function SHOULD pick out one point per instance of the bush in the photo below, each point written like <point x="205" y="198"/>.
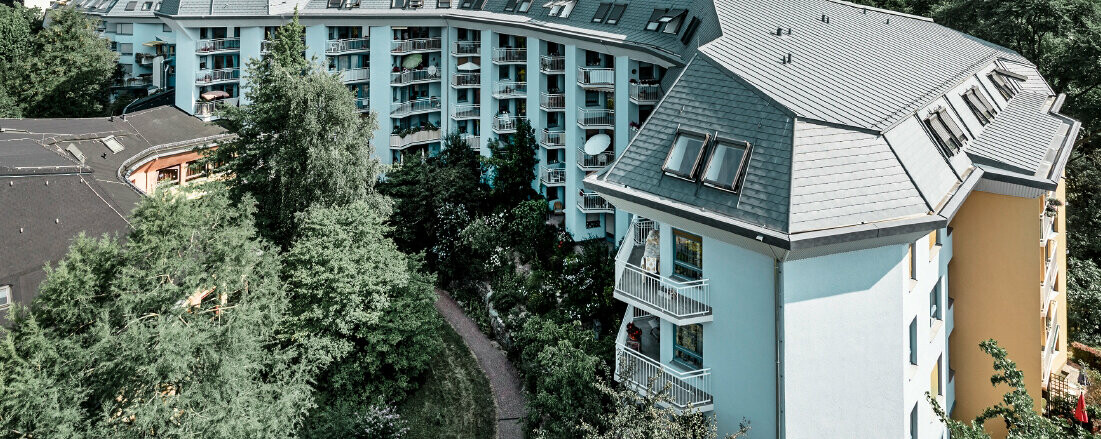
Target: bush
<point x="564" y="392"/>
<point x="378" y="422"/>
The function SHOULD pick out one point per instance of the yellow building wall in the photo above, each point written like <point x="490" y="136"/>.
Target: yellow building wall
<point x="995" y="280"/>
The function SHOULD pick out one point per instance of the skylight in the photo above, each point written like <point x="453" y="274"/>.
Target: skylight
<point x="684" y="157"/>
<point x="616" y="14"/>
<point x="525" y="6"/>
<point x="602" y="12"/>
<point x="726" y="167"/>
<point x="983" y="109"/>
<point x="690" y="31"/>
<point x="666" y="20"/>
<point x="560" y="8"/>
<point x="1002" y="83"/>
<point x="949" y="137"/>
<point x="653" y="23"/>
<point x="510" y="6"/>
<point x="131" y="6"/>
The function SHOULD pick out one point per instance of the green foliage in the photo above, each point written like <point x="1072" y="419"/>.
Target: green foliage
<point x="1084" y="301"/>
<point x="63" y="70"/>
<point x="564" y="393"/>
<point x="176" y="335"/>
<point x="301" y="141"/>
<point x="512" y="166"/>
<point x="378" y="422"/>
<point x="649" y="414"/>
<point x="1017" y="409"/>
<point x="362" y="311"/>
<point x="288" y="45"/>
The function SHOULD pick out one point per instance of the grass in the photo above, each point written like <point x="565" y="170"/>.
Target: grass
<point x="455" y="400"/>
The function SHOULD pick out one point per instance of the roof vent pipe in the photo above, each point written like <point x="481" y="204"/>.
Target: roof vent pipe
<point x="825" y="19"/>
<point x="779" y="31"/>
<point x="789" y="31"/>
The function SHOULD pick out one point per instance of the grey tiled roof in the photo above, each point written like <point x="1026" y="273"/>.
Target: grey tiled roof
<point x="857" y="70"/>
<point x="735" y="111"/>
<point x="1022" y="137"/>
<point x="118" y="10"/>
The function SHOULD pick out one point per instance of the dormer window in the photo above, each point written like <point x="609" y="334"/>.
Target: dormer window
<point x="726" y="167"/>
<point x="948" y="135"/>
<point x="1001" y="79"/>
<point x="980" y="105"/>
<point x="684" y="156"/>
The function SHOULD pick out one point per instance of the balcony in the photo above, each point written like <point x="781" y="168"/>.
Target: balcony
<point x="553" y="174"/>
<point x="508" y="55"/>
<point x="417" y="76"/>
<point x="552" y="101"/>
<point x="1047" y="228"/>
<point x="218" y="45"/>
<point x="645" y="94"/>
<point x="349" y="76"/>
<point x="596" y="78"/>
<point x="552" y="65"/>
<point x="416" y="106"/>
<point x="415" y="45"/>
<point x="466" y="48"/>
<point x="505" y="123"/>
<point x="594" y="162"/>
<point x="691" y="389"/>
<point x="398" y="141"/>
<point x="348" y="45"/>
<point x="595" y="118"/>
<point x="552" y="139"/>
<point x="207" y="110"/>
<point x="466" y="80"/>
<point x="363" y="104"/>
<point x="678" y="301"/>
<point x="590" y="202"/>
<point x="265" y="47"/>
<point x="466" y="112"/>
<point x="510" y="90"/>
<point x="1049" y="353"/>
<point x="217" y="76"/>
<point x="475" y="142"/>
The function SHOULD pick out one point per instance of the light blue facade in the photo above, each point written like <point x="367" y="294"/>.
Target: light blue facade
<point x="146" y="53"/>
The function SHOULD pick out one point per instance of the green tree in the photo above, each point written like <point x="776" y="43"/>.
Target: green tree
<point x="362" y="309"/>
<point x="301" y="141"/>
<point x="1084" y="301"/>
<point x="649" y="414"/>
<point x="512" y="166"/>
<point x="564" y="395"/>
<point x="175" y="334"/>
<point x="1017" y="409"/>
<point x="71" y="70"/>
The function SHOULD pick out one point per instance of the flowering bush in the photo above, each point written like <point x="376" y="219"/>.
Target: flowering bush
<point x="379" y="422"/>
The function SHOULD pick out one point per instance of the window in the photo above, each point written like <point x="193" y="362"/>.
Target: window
<point x="690" y="31"/>
<point x="524" y="7"/>
<point x="653" y="23"/>
<point x="443" y="4"/>
<point x="195" y="170"/>
<point x="913" y="341"/>
<point x="911" y="262"/>
<point x="1000" y="78"/>
<point x="914" y="422"/>
<point x="602" y="12"/>
<point x="130" y="6"/>
<point x="5" y="296"/>
<point x="672" y="26"/>
<point x="983" y="109"/>
<point x="165" y="28"/>
<point x="684" y="156"/>
<point x="168" y="175"/>
<point x="124" y="28"/>
<point x="334" y="3"/>
<point x="666" y="20"/>
<point x="687" y="255"/>
<point x="592" y="98"/>
<point x="616" y="14"/>
<point x="147" y="6"/>
<point x="126" y="48"/>
<point x="688" y="346"/>
<point x="934" y="379"/>
<point x="510" y="6"/>
<point x="934" y="304"/>
<point x="948" y="135"/>
<point x="560" y="8"/>
<point x="726" y="168"/>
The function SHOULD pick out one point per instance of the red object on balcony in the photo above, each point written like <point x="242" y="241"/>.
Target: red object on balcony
<point x="1080" y="410"/>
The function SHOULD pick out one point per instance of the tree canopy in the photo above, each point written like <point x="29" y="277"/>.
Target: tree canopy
<point x="512" y="164"/>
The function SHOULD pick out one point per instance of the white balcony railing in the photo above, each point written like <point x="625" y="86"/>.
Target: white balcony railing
<point x="419" y="137"/>
<point x="363" y="104"/>
<point x="205" y="109"/>
<point x="596" y="77"/>
<point x="552" y="64"/>
<point x="415" y="45"/>
<point x="347" y="45"/>
<point x="466" y="48"/>
<point x="1049" y="352"/>
<point x="218" y="45"/>
<point x="683" y="302"/>
<point x="595" y="117"/>
<point x="590" y="202"/>
<point x="685" y="389"/>
<point x="219" y="75"/>
<point x="552" y="175"/>
<point x="475" y="142"/>
<point x="508" y="55"/>
<point x="641" y="229"/>
<point x="414" y="76"/>
<point x="552" y="139"/>
<point x="401" y="109"/>
<point x="594" y="162"/>
<point x="552" y="101"/>
<point x="466" y="111"/>
<point x="464" y="80"/>
<point x="645" y="93"/>
<point x="505" y="123"/>
<point x="354" y="75"/>
<point x="510" y="90"/>
<point x="1047" y="228"/>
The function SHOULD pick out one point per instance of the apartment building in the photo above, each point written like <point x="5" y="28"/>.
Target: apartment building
<point x="819" y="204"/>
<point x="829" y="237"/>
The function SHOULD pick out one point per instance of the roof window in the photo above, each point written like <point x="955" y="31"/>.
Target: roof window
<point x="1001" y="79"/>
<point x="980" y="105"/>
<point x="690" y="31"/>
<point x="510" y="6"/>
<point x="524" y="6"/>
<point x="666" y="20"/>
<point x="684" y="156"/>
<point x="147" y="6"/>
<point x="131" y="6"/>
<point x="949" y="137"/>
<point x="726" y="167"/>
<point x="560" y="8"/>
<point x="616" y="13"/>
<point x="602" y="12"/>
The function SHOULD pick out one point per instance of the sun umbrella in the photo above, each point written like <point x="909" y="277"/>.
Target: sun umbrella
<point x="212" y="95"/>
<point x="597" y="144"/>
<point x="412" y="61"/>
<point x="469" y="67"/>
